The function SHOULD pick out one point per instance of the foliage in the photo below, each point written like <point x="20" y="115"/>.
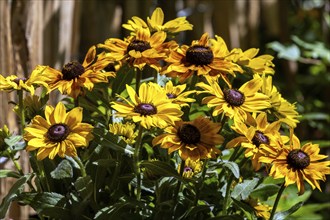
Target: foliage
<point x="151" y="129"/>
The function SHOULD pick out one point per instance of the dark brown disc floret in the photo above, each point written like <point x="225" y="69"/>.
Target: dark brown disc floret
<point x="72" y="70"/>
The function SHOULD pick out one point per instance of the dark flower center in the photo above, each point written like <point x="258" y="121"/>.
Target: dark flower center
<point x="199" y="55"/>
<point x="23" y="79"/>
<point x="234" y="97"/>
<point x="298" y="159"/>
<point x="72" y="70"/>
<point x="259" y="138"/>
<point x="138" y="45"/>
<point x="171" y="95"/>
<point x="189" y="134"/>
<point x="187" y="169"/>
<point x="58" y="132"/>
<point x="110" y="68"/>
<point x="145" y="109"/>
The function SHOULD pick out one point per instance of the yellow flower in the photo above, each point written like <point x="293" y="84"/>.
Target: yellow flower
<point x="204" y="57"/>
<point x="195" y="139"/>
<point x="124" y="131"/>
<point x="75" y="76"/>
<point x="156" y="23"/>
<point x="282" y="109"/>
<point x="176" y="94"/>
<point x="252" y="137"/>
<point x="4" y="133"/>
<point x="191" y="167"/>
<point x="260" y="210"/>
<point x="296" y="163"/>
<point x="235" y="103"/>
<point x="150" y="106"/>
<point x="60" y="132"/>
<point x="139" y="50"/>
<point x="14" y="82"/>
<point x="260" y="65"/>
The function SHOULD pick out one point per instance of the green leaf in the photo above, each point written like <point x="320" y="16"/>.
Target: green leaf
<point x="9" y="173"/>
<point x="284" y="214"/>
<point x="15" y="142"/>
<point x="114" y="212"/>
<point x="84" y="185"/>
<point x="309" y="210"/>
<point x="233" y="167"/>
<point x="41" y="201"/>
<point x="109" y="140"/>
<point x="248" y="210"/>
<point x="264" y="191"/>
<point x="243" y="190"/>
<point x="161" y="168"/>
<point x="291" y="52"/>
<point x="63" y="170"/>
<point x="105" y="162"/>
<point x="196" y="209"/>
<point x="124" y="76"/>
<point x="227" y="217"/>
<point x="14" y="191"/>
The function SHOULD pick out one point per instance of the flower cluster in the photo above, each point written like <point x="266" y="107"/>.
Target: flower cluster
<point x="147" y="108"/>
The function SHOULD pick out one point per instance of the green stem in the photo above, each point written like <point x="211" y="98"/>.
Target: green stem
<point x="137" y="153"/>
<point x="201" y="182"/>
<point x="225" y="201"/>
<point x="279" y="194"/>
<point x="178" y="186"/>
<point x="81" y="165"/>
<point x="21" y="109"/>
<point x="138" y="79"/>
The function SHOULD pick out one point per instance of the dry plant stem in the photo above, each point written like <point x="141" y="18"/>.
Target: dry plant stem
<point x="178" y="186"/>
<point x="200" y="183"/>
<point x="279" y="194"/>
<point x="137" y="153"/>
<point x="81" y="165"/>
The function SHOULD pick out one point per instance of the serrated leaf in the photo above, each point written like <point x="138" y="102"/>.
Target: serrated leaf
<point x="243" y="190"/>
<point x="63" y="170"/>
<point x="12" y="194"/>
<point x="9" y="173"/>
<point x="233" y="167"/>
<point x="284" y="214"/>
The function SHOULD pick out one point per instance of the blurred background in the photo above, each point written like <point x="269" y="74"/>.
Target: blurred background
<point x="295" y="32"/>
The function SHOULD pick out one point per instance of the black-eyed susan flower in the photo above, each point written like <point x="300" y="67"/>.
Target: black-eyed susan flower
<point x="191" y="167"/>
<point x="126" y="131"/>
<point x="249" y="60"/>
<point x="280" y="107"/>
<point x="195" y="139"/>
<point x="296" y="164"/>
<point x="156" y="23"/>
<point x="14" y="82"/>
<point x="235" y="103"/>
<point x="139" y="50"/>
<point x="150" y="107"/>
<point x="204" y="57"/>
<point x="75" y="76"/>
<point x="59" y="133"/>
<point x="177" y="94"/>
<point x="254" y="134"/>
